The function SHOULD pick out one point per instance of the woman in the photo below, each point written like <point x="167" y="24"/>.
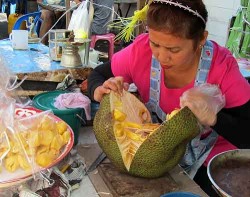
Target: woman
<point x="177" y="57"/>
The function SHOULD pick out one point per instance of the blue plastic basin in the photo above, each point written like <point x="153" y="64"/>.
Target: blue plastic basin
<point x="180" y="194"/>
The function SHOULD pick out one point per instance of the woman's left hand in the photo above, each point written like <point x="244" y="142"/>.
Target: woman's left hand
<point x="205" y="102"/>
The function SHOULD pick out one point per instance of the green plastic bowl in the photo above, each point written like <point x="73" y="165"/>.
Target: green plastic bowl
<point x="45" y="101"/>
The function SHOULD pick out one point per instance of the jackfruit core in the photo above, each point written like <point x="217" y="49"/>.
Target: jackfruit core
<point x="131" y="135"/>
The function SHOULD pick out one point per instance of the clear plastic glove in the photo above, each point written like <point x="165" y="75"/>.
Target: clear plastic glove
<point x="205" y="101"/>
<point x="114" y="83"/>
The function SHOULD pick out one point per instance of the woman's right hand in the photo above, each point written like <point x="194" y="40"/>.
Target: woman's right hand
<point x="114" y="83"/>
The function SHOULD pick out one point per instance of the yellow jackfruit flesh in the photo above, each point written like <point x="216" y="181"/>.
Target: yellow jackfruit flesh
<point x="44" y="159"/>
<point x="169" y="116"/>
<point x="24" y="164"/>
<point x="61" y="127"/>
<point x="47" y="137"/>
<point x="119" y="115"/>
<point x="34" y="139"/>
<point x="11" y="163"/>
<point x="42" y="140"/>
<point x="134" y="144"/>
<point x="66" y="136"/>
<point x="57" y="142"/>
<point x="47" y="123"/>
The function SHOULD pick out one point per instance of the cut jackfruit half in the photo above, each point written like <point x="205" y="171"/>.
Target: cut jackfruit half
<point x="125" y="132"/>
<point x="130" y="136"/>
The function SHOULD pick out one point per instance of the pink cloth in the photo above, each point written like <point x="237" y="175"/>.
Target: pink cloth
<point x="134" y="64"/>
<point x="73" y="100"/>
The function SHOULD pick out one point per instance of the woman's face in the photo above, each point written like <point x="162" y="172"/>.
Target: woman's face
<point x="173" y="53"/>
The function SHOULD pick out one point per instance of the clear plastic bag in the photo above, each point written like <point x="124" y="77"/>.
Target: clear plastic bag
<point x="30" y="140"/>
<point x="11" y="151"/>
<point x="205" y="101"/>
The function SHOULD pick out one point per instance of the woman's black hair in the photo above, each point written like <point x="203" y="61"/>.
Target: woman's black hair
<point x="178" y="21"/>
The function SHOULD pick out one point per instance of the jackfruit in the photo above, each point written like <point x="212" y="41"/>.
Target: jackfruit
<point x="11" y="163"/>
<point x="61" y="127"/>
<point x="57" y="142"/>
<point x="169" y="116"/>
<point x="42" y="141"/>
<point x="44" y="159"/>
<point x="66" y="136"/>
<point x="24" y="164"/>
<point x="125" y="132"/>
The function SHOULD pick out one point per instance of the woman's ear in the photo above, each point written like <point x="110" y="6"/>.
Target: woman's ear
<point x="203" y="40"/>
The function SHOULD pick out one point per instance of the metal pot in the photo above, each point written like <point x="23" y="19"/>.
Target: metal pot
<point x="229" y="171"/>
<point x="70" y="56"/>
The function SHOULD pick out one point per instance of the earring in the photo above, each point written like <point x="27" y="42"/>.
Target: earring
<point x="201" y="46"/>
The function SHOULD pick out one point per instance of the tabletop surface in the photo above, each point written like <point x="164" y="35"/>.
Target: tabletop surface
<point x="35" y="59"/>
<point x="89" y="149"/>
<point x="244" y="65"/>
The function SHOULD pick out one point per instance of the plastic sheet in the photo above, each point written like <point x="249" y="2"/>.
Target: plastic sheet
<point x="205" y="101"/>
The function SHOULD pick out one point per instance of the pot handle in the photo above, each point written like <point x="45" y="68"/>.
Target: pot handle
<point x="81" y="119"/>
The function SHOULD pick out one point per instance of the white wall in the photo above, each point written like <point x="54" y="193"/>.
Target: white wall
<point x="219" y="15"/>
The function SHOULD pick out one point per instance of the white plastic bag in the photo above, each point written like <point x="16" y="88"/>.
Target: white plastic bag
<point x="81" y="20"/>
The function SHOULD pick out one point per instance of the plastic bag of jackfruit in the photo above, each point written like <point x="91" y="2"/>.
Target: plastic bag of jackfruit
<point x="42" y="137"/>
<point x="9" y="143"/>
<point x="31" y="141"/>
<point x="31" y="144"/>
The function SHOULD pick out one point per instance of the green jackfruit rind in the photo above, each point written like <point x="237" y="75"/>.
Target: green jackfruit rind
<point x="103" y="129"/>
<point x="147" y="162"/>
<point x="159" y="169"/>
<point x="165" y="147"/>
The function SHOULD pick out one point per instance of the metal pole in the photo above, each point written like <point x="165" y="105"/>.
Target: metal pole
<point x="68" y="14"/>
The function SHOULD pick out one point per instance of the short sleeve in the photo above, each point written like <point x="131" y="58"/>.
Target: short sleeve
<point x="121" y="61"/>
<point x="235" y="87"/>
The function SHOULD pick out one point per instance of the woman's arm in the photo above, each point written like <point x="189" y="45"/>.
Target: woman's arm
<point x="234" y="125"/>
<point x="98" y="76"/>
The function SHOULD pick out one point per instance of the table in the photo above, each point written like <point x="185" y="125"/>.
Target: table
<point x="244" y="65"/>
<point x="245" y="73"/>
<point x="35" y="59"/>
<point x="35" y="66"/>
<point x="89" y="150"/>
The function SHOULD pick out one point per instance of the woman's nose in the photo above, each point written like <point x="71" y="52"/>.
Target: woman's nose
<point x="163" y="56"/>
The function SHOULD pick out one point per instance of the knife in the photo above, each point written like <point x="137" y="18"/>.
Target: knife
<point x="97" y="162"/>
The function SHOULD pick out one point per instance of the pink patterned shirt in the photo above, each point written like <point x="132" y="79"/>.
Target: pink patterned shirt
<point x="134" y="64"/>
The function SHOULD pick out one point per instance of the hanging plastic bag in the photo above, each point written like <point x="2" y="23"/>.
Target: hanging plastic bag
<point x="81" y="20"/>
<point x="13" y="155"/>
